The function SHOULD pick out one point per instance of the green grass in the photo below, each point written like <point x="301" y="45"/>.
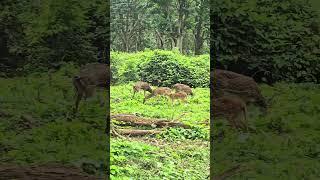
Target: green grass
<point x="175" y="154"/>
<point x="53" y="135"/>
<point x="289" y="147"/>
<point x="285" y="147"/>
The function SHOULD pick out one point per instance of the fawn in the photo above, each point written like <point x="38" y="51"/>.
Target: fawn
<point x="178" y="96"/>
<point x="227" y="82"/>
<point x="91" y="76"/>
<point x="161" y="91"/>
<point x="182" y="87"/>
<point x="139" y="86"/>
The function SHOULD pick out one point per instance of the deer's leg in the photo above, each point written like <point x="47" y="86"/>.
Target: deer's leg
<point x="79" y="97"/>
<point x="144" y="93"/>
<point x="144" y="100"/>
<point x="245" y="124"/>
<point x="101" y="98"/>
<point x="134" y="92"/>
<point x="238" y="122"/>
<point x="242" y="124"/>
<point x="184" y="100"/>
<point x="232" y="120"/>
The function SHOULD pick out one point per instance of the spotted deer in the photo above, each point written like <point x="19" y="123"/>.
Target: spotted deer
<point x="90" y="77"/>
<point x="178" y="96"/>
<point x="220" y="74"/>
<point x="161" y="91"/>
<point x="231" y="107"/>
<point x="182" y="87"/>
<point x="227" y="82"/>
<point x="139" y="86"/>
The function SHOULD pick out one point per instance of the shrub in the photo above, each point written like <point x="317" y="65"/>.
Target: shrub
<point x="278" y="39"/>
<point x="161" y="68"/>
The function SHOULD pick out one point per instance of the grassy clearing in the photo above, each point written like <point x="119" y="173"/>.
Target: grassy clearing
<point x="51" y="134"/>
<point x="175" y="154"/>
<point x="288" y="148"/>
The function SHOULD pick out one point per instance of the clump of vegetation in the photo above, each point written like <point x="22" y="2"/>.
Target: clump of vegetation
<point x="162" y="68"/>
<point x="37" y="125"/>
<point x="273" y="40"/>
<point x="285" y="145"/>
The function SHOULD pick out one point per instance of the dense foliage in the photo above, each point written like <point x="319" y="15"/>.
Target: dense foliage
<point x="165" y="24"/>
<point x="163" y="68"/>
<point x="269" y="39"/>
<point x="286" y="144"/>
<point x="44" y="33"/>
<point x="39" y="127"/>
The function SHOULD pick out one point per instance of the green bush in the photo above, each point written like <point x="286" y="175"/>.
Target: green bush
<point x="160" y="68"/>
<point x="278" y="39"/>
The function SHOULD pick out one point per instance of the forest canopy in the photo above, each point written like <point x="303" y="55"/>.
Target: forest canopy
<point x="164" y="24"/>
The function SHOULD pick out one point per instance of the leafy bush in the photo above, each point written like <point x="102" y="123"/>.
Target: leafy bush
<point x="161" y="68"/>
<point x="275" y="40"/>
<point x="163" y="71"/>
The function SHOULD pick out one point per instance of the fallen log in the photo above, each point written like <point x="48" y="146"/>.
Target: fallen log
<point x="43" y="172"/>
<point x="136" y="132"/>
<point x="140" y="121"/>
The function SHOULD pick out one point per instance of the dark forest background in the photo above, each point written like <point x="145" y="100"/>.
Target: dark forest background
<point x="39" y="34"/>
<point x="267" y="39"/>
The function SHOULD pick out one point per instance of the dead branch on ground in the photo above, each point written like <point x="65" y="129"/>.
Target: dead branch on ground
<point x="140" y="121"/>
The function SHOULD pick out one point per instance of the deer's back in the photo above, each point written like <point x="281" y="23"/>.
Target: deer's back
<point x="178" y="95"/>
<point x="95" y="74"/>
<point x="162" y="91"/>
<point x="220" y="74"/>
<point x="141" y="85"/>
<point x="182" y="87"/>
<point x="236" y="84"/>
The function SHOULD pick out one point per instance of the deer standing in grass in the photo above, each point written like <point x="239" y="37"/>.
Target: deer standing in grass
<point x="161" y="91"/>
<point x="182" y="87"/>
<point x="227" y="82"/>
<point x="178" y="96"/>
<point x="90" y="77"/>
<point x="139" y="86"/>
<point x="230" y="107"/>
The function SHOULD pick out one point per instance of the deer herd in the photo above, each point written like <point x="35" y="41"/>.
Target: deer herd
<point x="181" y="91"/>
<point x="231" y="92"/>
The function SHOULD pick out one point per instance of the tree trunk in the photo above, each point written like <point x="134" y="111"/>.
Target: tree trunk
<point x="182" y="5"/>
<point x="160" y="40"/>
<point x="198" y="41"/>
